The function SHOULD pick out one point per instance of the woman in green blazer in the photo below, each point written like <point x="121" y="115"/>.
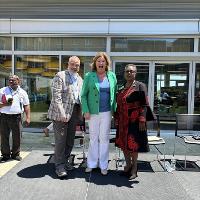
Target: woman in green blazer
<point x="98" y="98"/>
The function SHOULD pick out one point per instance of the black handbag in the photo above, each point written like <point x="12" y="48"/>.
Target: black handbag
<point x="150" y="115"/>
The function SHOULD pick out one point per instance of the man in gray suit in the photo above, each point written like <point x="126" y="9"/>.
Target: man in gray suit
<point x="65" y="111"/>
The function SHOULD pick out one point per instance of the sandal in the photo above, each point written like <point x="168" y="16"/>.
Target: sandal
<point x="133" y="173"/>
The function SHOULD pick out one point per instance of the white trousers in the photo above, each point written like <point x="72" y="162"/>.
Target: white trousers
<point x="99" y="130"/>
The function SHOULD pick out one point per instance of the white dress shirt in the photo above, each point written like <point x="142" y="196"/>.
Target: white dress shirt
<point x="20" y="98"/>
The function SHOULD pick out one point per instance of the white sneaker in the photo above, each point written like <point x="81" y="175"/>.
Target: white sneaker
<point x="104" y="172"/>
<point x="88" y="170"/>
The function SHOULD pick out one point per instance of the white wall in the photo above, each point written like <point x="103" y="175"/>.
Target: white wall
<point x="99" y="26"/>
<point x="4" y="26"/>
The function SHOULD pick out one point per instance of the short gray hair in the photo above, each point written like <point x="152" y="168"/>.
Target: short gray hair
<point x="14" y="76"/>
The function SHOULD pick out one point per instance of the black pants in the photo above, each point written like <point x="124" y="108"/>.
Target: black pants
<point x="10" y="123"/>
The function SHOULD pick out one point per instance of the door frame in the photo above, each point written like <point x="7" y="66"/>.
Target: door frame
<point x="151" y="72"/>
<point x="152" y="63"/>
<point x="191" y="80"/>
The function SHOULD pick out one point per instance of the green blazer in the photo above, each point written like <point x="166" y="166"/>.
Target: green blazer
<point x="90" y="92"/>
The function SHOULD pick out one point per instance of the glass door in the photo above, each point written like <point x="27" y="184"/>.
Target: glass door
<point x="142" y="71"/>
<point x="197" y="90"/>
<point x="167" y="83"/>
<point x="171" y="87"/>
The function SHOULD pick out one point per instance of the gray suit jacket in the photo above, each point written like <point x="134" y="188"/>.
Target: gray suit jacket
<point x="63" y="98"/>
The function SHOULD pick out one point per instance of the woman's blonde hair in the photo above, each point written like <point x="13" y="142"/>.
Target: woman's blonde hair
<point x="105" y="56"/>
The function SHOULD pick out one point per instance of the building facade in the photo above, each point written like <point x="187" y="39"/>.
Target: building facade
<point x="165" y="47"/>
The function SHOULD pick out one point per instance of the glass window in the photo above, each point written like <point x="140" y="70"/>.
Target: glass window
<point x="197" y="90"/>
<point x="84" y="44"/>
<point x="36" y="73"/>
<point x="126" y="44"/>
<point x="38" y="44"/>
<point x="5" y="69"/>
<point x="142" y="72"/>
<point x="5" y="43"/>
<point x="171" y="89"/>
<point x="59" y="44"/>
<point x="199" y="44"/>
<point x="85" y="64"/>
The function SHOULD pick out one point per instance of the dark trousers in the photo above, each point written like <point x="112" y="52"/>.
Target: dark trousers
<point x="10" y="123"/>
<point x="64" y="138"/>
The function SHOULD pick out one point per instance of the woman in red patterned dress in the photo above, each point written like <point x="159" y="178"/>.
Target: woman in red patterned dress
<point x="130" y="120"/>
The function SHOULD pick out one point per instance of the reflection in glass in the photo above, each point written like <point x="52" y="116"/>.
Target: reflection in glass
<point x="36" y="73"/>
<point x="197" y="90"/>
<point x="171" y="89"/>
<point x="85" y="64"/>
<point x="142" y="72"/>
<point x="5" y="43"/>
<point x="84" y="44"/>
<point x="37" y="44"/>
<point x="5" y="69"/>
<point x="129" y="44"/>
<point x="60" y="44"/>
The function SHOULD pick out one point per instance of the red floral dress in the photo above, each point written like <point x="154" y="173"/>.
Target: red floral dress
<point x="129" y="113"/>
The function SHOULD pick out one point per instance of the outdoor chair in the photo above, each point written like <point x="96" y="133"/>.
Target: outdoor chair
<point x="117" y="154"/>
<point x="80" y="135"/>
<point x="187" y="131"/>
<point x="154" y="139"/>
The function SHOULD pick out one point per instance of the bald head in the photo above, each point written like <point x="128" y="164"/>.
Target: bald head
<point x="13" y="81"/>
<point x="74" y="64"/>
<point x="74" y="58"/>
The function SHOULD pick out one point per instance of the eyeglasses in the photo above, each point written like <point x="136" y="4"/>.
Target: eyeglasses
<point x="73" y="64"/>
<point x="12" y="81"/>
<point x="130" y="71"/>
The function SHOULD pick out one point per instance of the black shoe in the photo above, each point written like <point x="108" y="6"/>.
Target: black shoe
<point x="61" y="173"/>
<point x="4" y="159"/>
<point x="18" y="158"/>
